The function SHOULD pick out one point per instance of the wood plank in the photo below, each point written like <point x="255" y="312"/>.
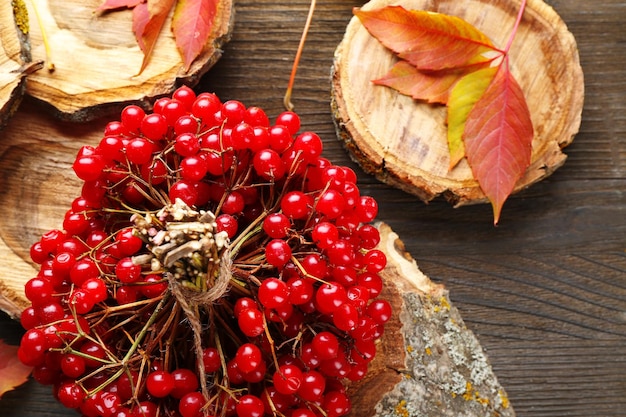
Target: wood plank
<point x="545" y="291"/>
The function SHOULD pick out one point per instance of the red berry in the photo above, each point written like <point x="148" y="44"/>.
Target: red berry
<point x="268" y="165"/>
<point x="276" y="225"/>
<point x="154" y="126"/>
<point x="273" y="293"/>
<point x="248" y="357"/>
<point x="250" y="322"/>
<point x="325" y="345"/>
<point x="250" y="406"/>
<point x="131" y="118"/>
<point x="290" y="120"/>
<point x="211" y="360"/>
<point x="88" y="167"/>
<point x="160" y="383"/>
<point x="287" y="379"/>
<point x="127" y="271"/>
<point x="191" y="404"/>
<point x="185" y="381"/>
<point x="277" y="253"/>
<point x="313" y="385"/>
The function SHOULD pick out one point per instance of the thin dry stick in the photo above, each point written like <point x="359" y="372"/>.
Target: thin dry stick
<point x="287" y="99"/>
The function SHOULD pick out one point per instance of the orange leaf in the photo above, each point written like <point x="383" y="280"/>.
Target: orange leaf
<point x="430" y="41"/>
<point x="147" y="29"/>
<point x="192" y="24"/>
<point x="463" y="97"/>
<point x="430" y="86"/>
<point x="498" y="138"/>
<point x="12" y="372"/>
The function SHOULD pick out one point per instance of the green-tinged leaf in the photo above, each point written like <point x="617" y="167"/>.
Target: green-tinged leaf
<point x="498" y="138"/>
<point x="148" y="31"/>
<point x="429" y="41"/>
<point x="12" y="372"/>
<point x="429" y="86"/>
<point x="463" y="97"/>
<point x="192" y="24"/>
<point x="118" y="4"/>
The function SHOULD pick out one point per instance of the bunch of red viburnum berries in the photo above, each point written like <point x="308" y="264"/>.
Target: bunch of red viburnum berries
<point x="213" y="265"/>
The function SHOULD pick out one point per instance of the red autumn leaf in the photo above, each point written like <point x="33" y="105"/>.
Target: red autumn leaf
<point x="429" y="41"/>
<point x="12" y="372"/>
<point x="147" y="32"/>
<point x="118" y="4"/>
<point x="498" y="137"/>
<point x="192" y="24"/>
<point x="141" y="17"/>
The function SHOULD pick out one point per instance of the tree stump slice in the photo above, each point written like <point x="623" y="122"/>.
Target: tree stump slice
<point x="96" y="59"/>
<point x="403" y="142"/>
<point x="14" y="57"/>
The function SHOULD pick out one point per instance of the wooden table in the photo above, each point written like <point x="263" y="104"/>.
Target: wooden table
<point x="545" y="292"/>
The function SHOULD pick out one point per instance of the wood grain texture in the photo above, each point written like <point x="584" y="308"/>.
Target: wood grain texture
<point x="545" y="291"/>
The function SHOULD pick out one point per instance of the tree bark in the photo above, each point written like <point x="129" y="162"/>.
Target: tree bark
<point x="14" y="56"/>
<point x="403" y="142"/>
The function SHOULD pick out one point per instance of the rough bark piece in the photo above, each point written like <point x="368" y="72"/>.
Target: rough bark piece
<point x="96" y="59"/>
<point x="14" y="56"/>
<point x="428" y="362"/>
<point x="403" y="142"/>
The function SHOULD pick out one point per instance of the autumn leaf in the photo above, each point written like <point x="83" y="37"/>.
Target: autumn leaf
<point x="192" y="24"/>
<point x="427" y="40"/>
<point x="429" y="86"/>
<point x="12" y="372"/>
<point x="465" y="94"/>
<point x="147" y="31"/>
<point x="498" y="137"/>
<point x="118" y="4"/>
<point x="141" y="17"/>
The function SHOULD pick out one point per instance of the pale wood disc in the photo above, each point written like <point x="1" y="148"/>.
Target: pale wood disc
<point x="403" y="142"/>
<point x="96" y="59"/>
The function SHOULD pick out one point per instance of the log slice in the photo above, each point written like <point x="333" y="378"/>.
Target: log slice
<point x="403" y="142"/>
<point x="96" y="59"/>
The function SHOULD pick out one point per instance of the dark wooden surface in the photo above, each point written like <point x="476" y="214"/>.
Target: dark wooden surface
<point x="545" y="292"/>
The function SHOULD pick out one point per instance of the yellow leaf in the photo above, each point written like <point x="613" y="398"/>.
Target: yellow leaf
<point x="467" y="91"/>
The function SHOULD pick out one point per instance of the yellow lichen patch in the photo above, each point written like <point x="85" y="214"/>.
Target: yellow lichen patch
<point x="428" y="351"/>
<point x="471" y="394"/>
<point x="401" y="410"/>
<point x="503" y="398"/>
<point x="444" y="303"/>
<point x="468" y="391"/>
<point x="20" y="14"/>
<point x="409" y="349"/>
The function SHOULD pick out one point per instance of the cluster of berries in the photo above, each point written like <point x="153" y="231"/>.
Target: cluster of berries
<point x="214" y="265"/>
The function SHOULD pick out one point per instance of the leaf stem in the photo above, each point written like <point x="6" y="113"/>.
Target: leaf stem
<point x="514" y="31"/>
<point x="287" y="99"/>
<point x="44" y="38"/>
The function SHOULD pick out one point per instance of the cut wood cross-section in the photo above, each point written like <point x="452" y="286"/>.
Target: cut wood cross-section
<point x="403" y="142"/>
<point x="97" y="60"/>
